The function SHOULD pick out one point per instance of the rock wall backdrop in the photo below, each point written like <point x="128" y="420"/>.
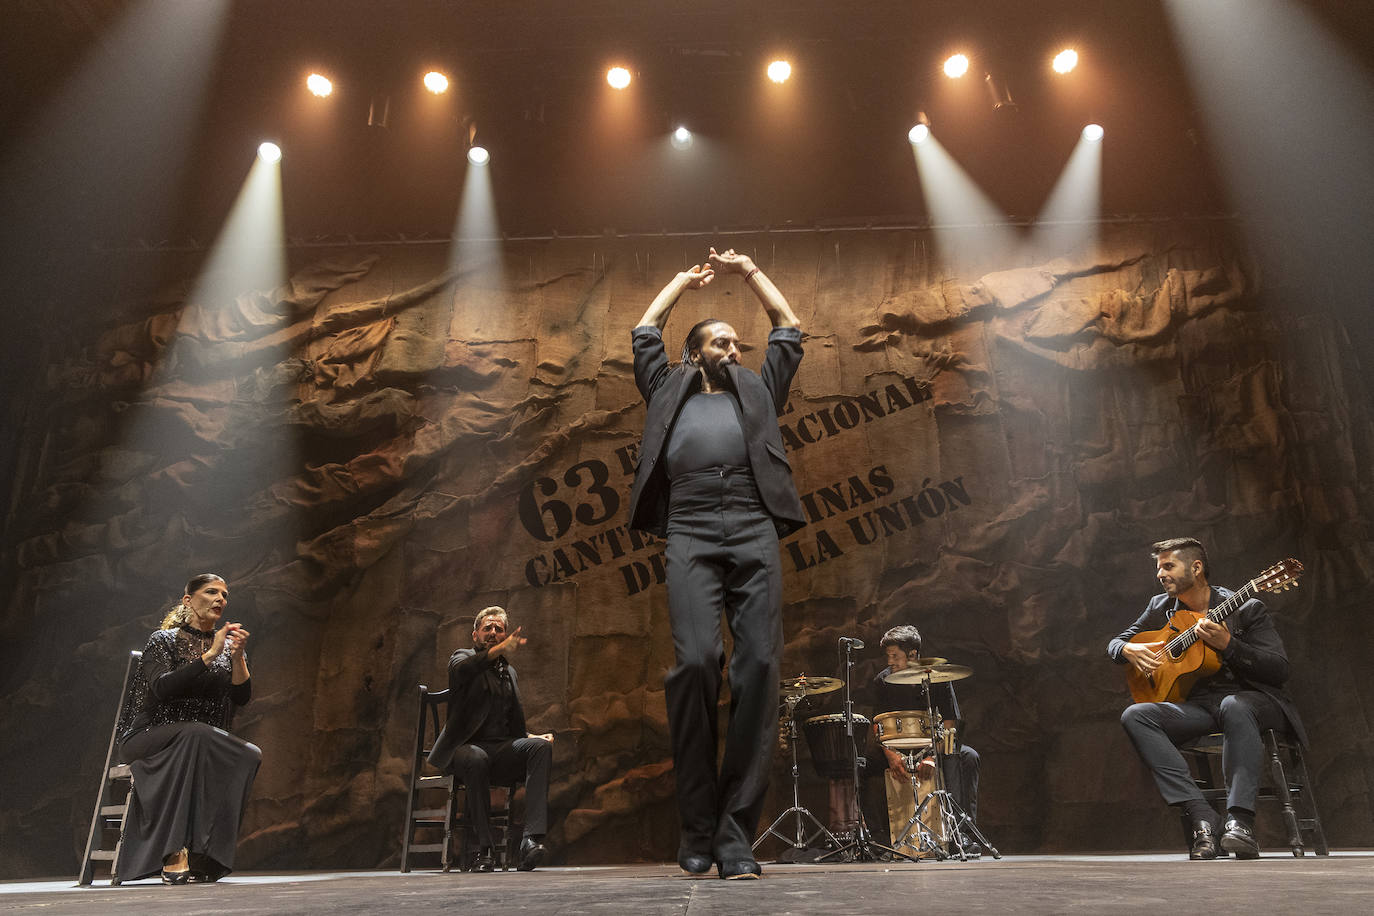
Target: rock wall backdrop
<point x="384" y="445"/>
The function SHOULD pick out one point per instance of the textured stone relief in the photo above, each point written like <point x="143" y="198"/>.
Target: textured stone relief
<point x="385" y="444"/>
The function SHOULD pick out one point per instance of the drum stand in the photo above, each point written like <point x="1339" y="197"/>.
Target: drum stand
<point x="863" y="848"/>
<point x="801" y="841"/>
<point x="953" y="818"/>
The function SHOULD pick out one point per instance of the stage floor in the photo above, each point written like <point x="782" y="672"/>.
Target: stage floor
<point x="1276" y="883"/>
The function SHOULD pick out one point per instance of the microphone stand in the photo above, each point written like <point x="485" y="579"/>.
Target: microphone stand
<point x="863" y="848"/>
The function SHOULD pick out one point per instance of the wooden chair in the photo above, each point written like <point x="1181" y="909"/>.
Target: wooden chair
<point x="112" y="800"/>
<point x="1289" y="784"/>
<point x="448" y="813"/>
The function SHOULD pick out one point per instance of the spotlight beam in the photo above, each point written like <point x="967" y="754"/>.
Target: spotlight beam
<point x="106" y="153"/>
<point x="971" y="232"/>
<point x="1068" y="222"/>
<point x="475" y="254"/>
<point x="1294" y="137"/>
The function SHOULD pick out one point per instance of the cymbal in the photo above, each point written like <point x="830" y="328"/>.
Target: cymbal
<point x="935" y="674"/>
<point x="928" y="662"/>
<point x="811" y="685"/>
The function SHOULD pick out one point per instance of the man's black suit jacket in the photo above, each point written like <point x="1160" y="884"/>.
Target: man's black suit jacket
<point x="472" y="682"/>
<point x="759" y="398"/>
<point x="1255" y="654"/>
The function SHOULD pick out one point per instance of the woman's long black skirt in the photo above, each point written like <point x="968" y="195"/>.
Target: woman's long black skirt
<point x="191" y="785"/>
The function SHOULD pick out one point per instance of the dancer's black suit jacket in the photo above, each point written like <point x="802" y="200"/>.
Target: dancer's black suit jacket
<point x="759" y="398"/>
<point x="473" y="680"/>
<point x="1255" y="654"/>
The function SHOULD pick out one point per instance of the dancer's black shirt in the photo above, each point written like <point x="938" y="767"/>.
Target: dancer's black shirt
<point x="707" y="434"/>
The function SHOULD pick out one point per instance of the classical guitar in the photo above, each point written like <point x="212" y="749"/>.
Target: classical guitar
<point x="1186" y="658"/>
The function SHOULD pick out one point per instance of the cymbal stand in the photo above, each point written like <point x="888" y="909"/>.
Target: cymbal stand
<point x="797" y="809"/>
<point x="954" y="820"/>
<point x="863" y="848"/>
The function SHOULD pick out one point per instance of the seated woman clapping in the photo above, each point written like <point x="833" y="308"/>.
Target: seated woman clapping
<point x="191" y="777"/>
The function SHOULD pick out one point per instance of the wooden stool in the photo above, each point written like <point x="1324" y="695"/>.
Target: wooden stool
<point x="1289" y="784"/>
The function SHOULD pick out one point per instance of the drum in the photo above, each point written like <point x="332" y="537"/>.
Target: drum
<point x="903" y="729"/>
<point x="831" y="752"/>
<point x="902" y="800"/>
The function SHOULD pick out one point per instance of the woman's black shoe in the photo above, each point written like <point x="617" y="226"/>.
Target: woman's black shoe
<point x="176" y="877"/>
<point x="205" y="870"/>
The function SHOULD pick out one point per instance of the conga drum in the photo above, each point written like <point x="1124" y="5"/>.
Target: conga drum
<point x="831" y="753"/>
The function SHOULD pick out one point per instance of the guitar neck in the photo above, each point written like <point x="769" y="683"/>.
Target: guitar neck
<point x="1225" y="609"/>
<point x="1183" y="640"/>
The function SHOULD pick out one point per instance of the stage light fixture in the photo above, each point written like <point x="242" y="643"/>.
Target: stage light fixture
<point x="1093" y="133"/>
<point x="436" y="82"/>
<point x="681" y="138"/>
<point x="779" y="71"/>
<point x="378" y="110"/>
<point x="269" y="151"/>
<point x="1065" y="60"/>
<point x="1000" y="94"/>
<point x="956" y="66"/>
<point x="618" y="77"/>
<point x="920" y="131"/>
<point x="319" y="85"/>
<point x="477" y="153"/>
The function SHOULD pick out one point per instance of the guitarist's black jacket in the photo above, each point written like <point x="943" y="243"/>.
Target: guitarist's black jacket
<point x="1255" y="656"/>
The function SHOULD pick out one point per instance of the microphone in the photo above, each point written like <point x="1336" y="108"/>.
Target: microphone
<point x="851" y="642"/>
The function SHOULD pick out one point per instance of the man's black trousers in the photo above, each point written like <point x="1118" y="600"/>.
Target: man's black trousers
<point x="1156" y="730"/>
<point x="722" y="555"/>
<point x="481" y="765"/>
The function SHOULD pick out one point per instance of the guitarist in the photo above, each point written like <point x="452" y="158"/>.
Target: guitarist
<point x="1244" y="696"/>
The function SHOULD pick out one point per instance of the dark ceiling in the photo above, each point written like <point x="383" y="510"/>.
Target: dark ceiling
<point x="571" y="156"/>
<point x="829" y="147"/>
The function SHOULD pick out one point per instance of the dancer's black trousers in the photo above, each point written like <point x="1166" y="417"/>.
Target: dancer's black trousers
<point x="722" y="555"/>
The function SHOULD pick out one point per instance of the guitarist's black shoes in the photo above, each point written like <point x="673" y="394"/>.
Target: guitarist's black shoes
<point x="1240" y="840"/>
<point x="1204" y="841"/>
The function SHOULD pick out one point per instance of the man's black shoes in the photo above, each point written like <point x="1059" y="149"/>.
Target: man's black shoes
<point x="1203" y="842"/>
<point x="485" y="861"/>
<point x="532" y="854"/>
<point x="1239" y="840"/>
<point x="744" y="868"/>
<point x="695" y="863"/>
